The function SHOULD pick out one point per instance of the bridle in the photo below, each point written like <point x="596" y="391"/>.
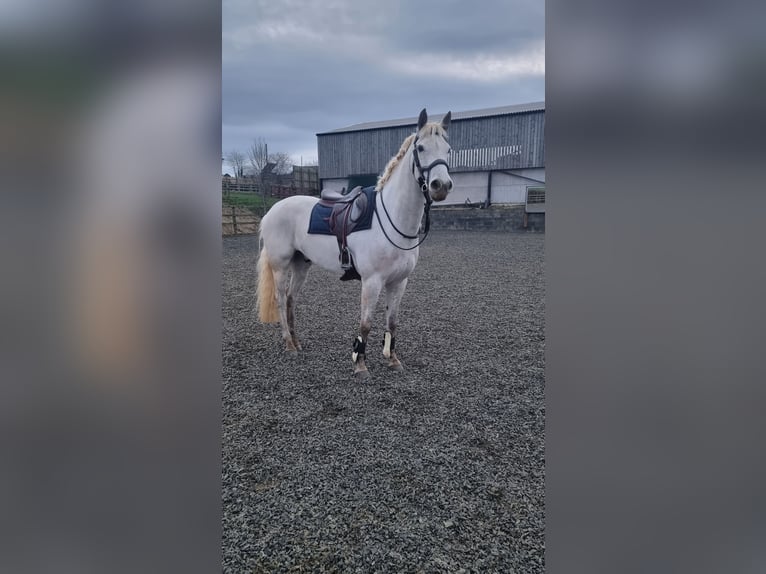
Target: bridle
<point x="424" y="172"/>
<point x="422" y="178"/>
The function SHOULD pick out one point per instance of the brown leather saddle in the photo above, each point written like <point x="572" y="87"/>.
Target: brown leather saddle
<point x="349" y="212"/>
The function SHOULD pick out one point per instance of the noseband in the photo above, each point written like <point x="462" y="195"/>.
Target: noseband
<point x="424" y="173"/>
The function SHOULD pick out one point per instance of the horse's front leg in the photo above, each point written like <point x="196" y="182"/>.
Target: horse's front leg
<point x="393" y="298"/>
<point x="370" y="292"/>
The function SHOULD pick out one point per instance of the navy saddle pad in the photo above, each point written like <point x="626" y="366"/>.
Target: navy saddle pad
<point x="321" y="214"/>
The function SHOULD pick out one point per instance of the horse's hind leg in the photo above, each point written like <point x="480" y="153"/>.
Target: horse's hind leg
<point x="300" y="269"/>
<point x="281" y="284"/>
<point x="370" y="292"/>
<point x="393" y="299"/>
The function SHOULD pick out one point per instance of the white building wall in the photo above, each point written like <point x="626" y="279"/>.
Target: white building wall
<point x="472" y="186"/>
<point x="335" y="184"/>
<point x="467" y="187"/>
<point x="506" y="187"/>
<point x="537" y="173"/>
<point x="509" y="188"/>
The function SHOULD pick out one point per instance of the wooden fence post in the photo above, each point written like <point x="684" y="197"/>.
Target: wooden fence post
<point x="234" y="219"/>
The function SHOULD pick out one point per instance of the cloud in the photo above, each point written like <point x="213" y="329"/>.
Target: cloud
<point x="484" y="68"/>
<point x="292" y="68"/>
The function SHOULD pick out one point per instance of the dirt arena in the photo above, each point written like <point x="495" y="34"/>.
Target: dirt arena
<point x="439" y="468"/>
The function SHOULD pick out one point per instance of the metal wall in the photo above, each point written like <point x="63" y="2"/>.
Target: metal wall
<point x="510" y="141"/>
<point x="507" y="187"/>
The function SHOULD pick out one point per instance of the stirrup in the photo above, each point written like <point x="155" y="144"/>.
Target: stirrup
<point x="345" y="259"/>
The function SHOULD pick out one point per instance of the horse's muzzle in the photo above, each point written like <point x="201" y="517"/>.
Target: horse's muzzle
<point x="439" y="189"/>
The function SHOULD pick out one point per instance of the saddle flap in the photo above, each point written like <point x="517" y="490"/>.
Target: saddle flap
<point x="358" y="208"/>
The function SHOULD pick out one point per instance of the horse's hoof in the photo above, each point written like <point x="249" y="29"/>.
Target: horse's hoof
<point x="362" y="375"/>
<point x="396" y="367"/>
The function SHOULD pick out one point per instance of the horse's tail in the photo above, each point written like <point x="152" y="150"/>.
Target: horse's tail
<point x="267" y="294"/>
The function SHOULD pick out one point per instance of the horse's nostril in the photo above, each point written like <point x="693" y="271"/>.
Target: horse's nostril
<point x="436" y="184"/>
<point x="449" y="185"/>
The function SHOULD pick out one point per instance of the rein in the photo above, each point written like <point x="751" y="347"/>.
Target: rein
<point x="422" y="179"/>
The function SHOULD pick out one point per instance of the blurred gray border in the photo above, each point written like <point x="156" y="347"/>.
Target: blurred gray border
<point x="655" y="286"/>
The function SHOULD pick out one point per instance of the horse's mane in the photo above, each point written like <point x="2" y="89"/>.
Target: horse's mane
<point x="434" y="128"/>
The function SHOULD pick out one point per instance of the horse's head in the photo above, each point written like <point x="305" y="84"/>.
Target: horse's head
<point x="431" y="156"/>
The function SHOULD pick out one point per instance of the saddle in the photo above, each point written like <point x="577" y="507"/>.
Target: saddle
<point x="341" y="214"/>
<point x="344" y="196"/>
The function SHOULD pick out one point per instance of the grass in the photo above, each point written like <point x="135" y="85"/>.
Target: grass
<point x="252" y="201"/>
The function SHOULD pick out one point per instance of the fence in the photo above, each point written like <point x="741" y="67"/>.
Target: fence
<point x="245" y="185"/>
<point x="289" y="190"/>
<point x="239" y="221"/>
<point x="248" y="185"/>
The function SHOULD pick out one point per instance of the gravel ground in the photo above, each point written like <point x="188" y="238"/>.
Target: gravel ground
<point x="436" y="469"/>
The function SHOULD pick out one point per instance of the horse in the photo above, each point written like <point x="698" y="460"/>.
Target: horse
<point x="384" y="255"/>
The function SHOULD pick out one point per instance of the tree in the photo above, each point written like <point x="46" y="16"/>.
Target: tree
<point x="283" y="163"/>
<point x="258" y="154"/>
<point x="237" y="160"/>
<point x="261" y="161"/>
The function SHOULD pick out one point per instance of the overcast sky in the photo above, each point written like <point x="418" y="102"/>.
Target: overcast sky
<point x="292" y="68"/>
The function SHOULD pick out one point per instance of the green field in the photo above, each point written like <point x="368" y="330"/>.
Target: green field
<point x="252" y="201"/>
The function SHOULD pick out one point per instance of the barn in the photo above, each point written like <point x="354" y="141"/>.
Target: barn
<point x="498" y="154"/>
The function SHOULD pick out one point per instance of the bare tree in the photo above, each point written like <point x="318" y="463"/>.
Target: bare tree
<point x="261" y="162"/>
<point x="237" y="160"/>
<point x="283" y="162"/>
<point x="258" y="154"/>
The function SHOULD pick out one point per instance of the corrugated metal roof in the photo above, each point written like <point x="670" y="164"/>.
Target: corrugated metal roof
<point x="483" y="113"/>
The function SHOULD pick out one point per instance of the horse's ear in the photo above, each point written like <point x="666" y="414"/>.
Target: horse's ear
<point x="446" y="120"/>
<point x="422" y="119"/>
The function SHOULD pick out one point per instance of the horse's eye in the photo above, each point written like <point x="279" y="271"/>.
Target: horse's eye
<point x="421" y="148"/>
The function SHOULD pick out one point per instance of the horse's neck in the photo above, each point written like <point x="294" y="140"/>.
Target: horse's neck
<point x="403" y="198"/>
